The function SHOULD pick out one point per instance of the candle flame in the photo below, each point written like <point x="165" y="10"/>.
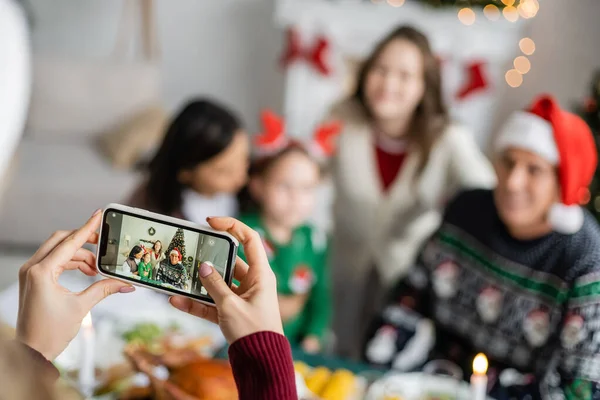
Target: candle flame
<point x="480" y="364"/>
<point x="87" y="320"/>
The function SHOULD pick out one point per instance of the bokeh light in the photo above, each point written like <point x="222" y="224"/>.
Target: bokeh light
<point x="513" y="78"/>
<point x="527" y="46"/>
<point x="510" y="13"/>
<point x="528" y="8"/>
<point x="395" y="3"/>
<point x="466" y="16"/>
<point x="491" y="12"/>
<point x="522" y="64"/>
<point x="508" y="3"/>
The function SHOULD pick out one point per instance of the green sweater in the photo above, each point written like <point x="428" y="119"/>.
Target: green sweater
<point x="300" y="267"/>
<point x="143" y="269"/>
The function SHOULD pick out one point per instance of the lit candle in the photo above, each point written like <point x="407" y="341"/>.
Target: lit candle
<point x="479" y="380"/>
<point x="87" y="375"/>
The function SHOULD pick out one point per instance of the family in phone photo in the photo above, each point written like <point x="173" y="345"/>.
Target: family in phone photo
<point x="160" y="254"/>
<point x="152" y="265"/>
<point x="155" y="253"/>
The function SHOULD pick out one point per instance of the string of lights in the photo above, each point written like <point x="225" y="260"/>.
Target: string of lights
<point x="523" y="7"/>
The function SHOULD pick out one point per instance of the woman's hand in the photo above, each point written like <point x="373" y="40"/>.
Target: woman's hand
<point x="253" y="306"/>
<point x="50" y="315"/>
<point x="290" y="306"/>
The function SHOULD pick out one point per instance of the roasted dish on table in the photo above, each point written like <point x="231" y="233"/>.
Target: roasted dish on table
<point x="162" y="360"/>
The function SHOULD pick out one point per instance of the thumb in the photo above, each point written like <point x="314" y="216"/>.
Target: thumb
<point x="213" y="282"/>
<point x="102" y="289"/>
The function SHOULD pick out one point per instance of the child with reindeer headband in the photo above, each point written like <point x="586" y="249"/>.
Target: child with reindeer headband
<point x="282" y="190"/>
<point x="145" y="266"/>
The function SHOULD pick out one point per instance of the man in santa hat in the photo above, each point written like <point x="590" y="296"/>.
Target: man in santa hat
<point x="528" y="258"/>
<point x="172" y="271"/>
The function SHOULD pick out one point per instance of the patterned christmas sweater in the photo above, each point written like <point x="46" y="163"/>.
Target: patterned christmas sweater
<point x="533" y="307"/>
<point x="175" y="275"/>
<point x="300" y="267"/>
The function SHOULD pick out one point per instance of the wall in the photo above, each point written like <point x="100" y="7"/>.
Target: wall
<point x="226" y="48"/>
<point x="229" y="48"/>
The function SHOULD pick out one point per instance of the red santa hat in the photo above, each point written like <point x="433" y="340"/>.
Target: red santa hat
<point x="566" y="141"/>
<point x="176" y="251"/>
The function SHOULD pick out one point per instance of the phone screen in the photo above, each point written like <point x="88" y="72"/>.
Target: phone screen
<point x="161" y="254"/>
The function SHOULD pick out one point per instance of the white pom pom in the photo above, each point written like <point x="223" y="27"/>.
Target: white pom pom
<point x="161" y="372"/>
<point x="566" y="219"/>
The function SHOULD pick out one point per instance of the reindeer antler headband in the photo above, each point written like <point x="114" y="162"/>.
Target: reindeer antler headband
<point x="273" y="138"/>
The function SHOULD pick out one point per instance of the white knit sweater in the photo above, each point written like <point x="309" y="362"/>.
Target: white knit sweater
<point x="387" y="229"/>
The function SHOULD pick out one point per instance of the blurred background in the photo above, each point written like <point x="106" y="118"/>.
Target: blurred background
<point x="86" y="86"/>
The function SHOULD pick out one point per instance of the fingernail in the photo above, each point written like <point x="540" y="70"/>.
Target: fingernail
<point x="127" y="289"/>
<point x="96" y="212"/>
<point x="206" y="269"/>
<point x="209" y="218"/>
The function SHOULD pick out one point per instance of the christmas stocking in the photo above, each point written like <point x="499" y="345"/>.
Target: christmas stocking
<point x="476" y="80"/>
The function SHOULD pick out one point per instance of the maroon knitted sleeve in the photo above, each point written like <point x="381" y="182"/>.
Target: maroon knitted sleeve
<point x="263" y="367"/>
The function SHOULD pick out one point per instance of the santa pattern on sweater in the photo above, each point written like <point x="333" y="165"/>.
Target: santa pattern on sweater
<point x="532" y="306"/>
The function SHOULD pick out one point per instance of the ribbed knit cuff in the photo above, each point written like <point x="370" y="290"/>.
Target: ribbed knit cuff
<point x="263" y="367"/>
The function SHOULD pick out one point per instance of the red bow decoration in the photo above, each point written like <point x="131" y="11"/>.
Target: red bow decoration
<point x="476" y="80"/>
<point x="314" y="56"/>
<point x="273" y="138"/>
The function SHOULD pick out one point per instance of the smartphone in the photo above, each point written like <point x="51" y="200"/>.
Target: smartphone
<point x="162" y="253"/>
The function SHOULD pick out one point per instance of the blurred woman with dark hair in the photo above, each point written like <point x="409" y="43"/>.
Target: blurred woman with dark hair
<point x="133" y="259"/>
<point x="201" y="164"/>
<point x="399" y="159"/>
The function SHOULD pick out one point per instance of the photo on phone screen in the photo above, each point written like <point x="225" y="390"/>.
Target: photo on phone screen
<point x="160" y="254"/>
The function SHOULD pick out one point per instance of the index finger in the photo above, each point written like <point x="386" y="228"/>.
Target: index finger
<point x="67" y="249"/>
<point x="248" y="238"/>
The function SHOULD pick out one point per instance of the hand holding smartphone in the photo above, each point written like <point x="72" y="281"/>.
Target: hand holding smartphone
<point x="253" y="306"/>
<point x="162" y="253"/>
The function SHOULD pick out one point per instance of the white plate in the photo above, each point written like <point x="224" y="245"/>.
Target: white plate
<point x="416" y="386"/>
